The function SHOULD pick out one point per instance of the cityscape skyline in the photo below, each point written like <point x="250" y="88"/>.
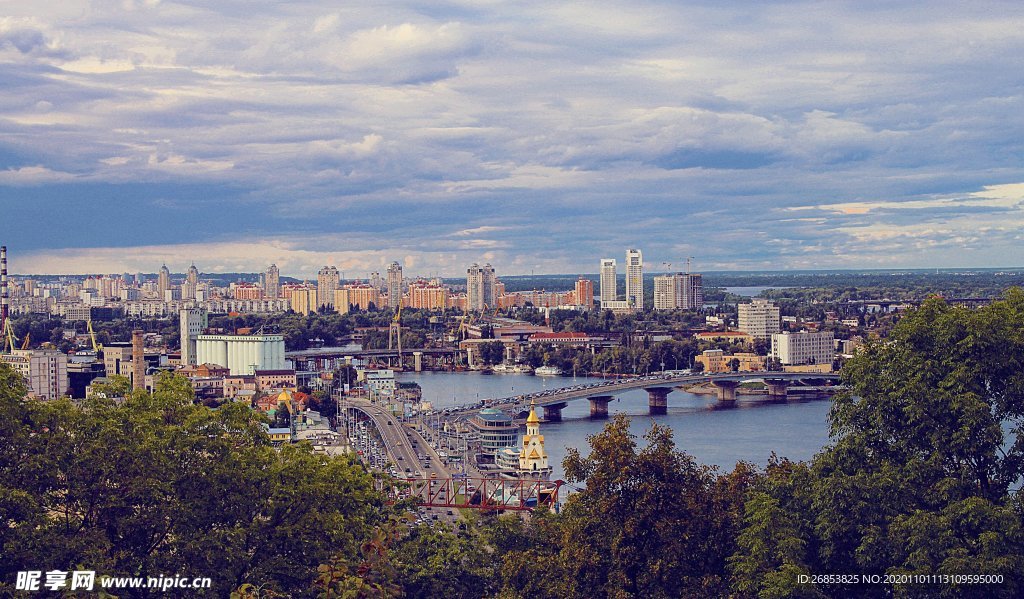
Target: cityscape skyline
<point x="794" y="136"/>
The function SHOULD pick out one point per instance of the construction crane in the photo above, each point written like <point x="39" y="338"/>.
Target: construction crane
<point x="668" y="266"/>
<point x="96" y="347"/>
<point x="25" y="342"/>
<point x="10" y="341"/>
<point x="688" y="264"/>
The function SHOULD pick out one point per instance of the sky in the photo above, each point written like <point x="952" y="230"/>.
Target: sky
<point x="537" y="136"/>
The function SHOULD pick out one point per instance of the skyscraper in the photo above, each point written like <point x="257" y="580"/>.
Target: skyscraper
<point x="480" y="287"/>
<point x="163" y="281"/>
<point x="634" y="279"/>
<point x="327" y="281"/>
<point x="678" y="291"/>
<point x="609" y="291"/>
<point x="394" y="285"/>
<point x="188" y="290"/>
<point x="272" y="282"/>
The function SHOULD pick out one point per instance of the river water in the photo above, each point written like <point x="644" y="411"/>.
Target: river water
<point x="714" y="436"/>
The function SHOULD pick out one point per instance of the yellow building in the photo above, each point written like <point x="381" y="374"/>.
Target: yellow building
<point x="304" y="300"/>
<point x="362" y="295"/>
<point x="716" y="360"/>
<point x="533" y="460"/>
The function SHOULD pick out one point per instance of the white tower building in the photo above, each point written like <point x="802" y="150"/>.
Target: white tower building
<point x="634" y="279"/>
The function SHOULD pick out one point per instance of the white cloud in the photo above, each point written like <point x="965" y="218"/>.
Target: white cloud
<point x="33" y="175"/>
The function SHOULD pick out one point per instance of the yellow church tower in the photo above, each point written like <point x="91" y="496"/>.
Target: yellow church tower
<point x="533" y="460"/>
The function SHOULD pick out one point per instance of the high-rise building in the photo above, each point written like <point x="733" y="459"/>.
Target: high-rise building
<point x="163" y="281"/>
<point x="327" y="281"/>
<point x="678" y="291"/>
<point x="394" y="285"/>
<point x="634" y="279"/>
<point x="609" y="285"/>
<point x="760" y="319"/>
<point x="692" y="292"/>
<point x="428" y="295"/>
<point x="665" y="292"/>
<point x="375" y="281"/>
<point x="363" y="295"/>
<point x="480" y="287"/>
<point x="585" y="293"/>
<point x="304" y="300"/>
<point x="192" y="321"/>
<point x="272" y="282"/>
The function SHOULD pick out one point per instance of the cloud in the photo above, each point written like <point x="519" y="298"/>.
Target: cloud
<point x="33" y="175"/>
<point x="544" y="134"/>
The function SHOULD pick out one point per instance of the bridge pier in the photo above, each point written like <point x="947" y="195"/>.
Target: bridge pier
<point x="470" y="356"/>
<point x="599" y="406"/>
<point x="776" y="388"/>
<point x="417" y="361"/>
<point x="726" y="390"/>
<point x="553" y="412"/>
<point x="657" y="399"/>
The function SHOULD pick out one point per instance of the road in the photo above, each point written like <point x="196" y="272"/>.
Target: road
<point x="405" y="446"/>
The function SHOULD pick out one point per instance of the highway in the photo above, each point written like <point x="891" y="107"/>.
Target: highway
<point x="405" y="446"/>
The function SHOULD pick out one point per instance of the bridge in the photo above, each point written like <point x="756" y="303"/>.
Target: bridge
<point x="658" y="387"/>
<point x="328" y="357"/>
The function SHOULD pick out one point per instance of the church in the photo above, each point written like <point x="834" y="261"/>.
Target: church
<point x="531" y="461"/>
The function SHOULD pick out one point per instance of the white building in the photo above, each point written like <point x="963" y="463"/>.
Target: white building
<point x="242" y="354"/>
<point x="792" y="349"/>
<point x="635" y="279"/>
<point x="394" y="285"/>
<point x="327" y="281"/>
<point x="760" y="319"/>
<point x="192" y="321"/>
<point x="609" y="285"/>
<point x="45" y="371"/>
<point x="678" y="290"/>
<point x="480" y="288"/>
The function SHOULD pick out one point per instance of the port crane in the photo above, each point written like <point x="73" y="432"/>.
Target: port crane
<point x="395" y="331"/>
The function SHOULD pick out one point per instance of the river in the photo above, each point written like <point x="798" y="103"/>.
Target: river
<point x="714" y="436"/>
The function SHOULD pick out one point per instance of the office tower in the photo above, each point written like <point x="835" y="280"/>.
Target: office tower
<point x="163" y="281"/>
<point x="192" y="321"/>
<point x="634" y="279"/>
<point x="394" y="285"/>
<point x="609" y="290"/>
<point x="327" y="281"/>
<point x="759" y="319"/>
<point x="272" y="282"/>
<point x="584" y="293"/>
<point x="480" y="287"/>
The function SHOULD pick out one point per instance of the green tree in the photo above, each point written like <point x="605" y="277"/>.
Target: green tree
<point x="650" y="522"/>
<point x="154" y="485"/>
<point x="920" y="477"/>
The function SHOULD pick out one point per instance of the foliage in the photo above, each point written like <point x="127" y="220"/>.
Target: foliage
<point x="156" y="485"/>
<point x="922" y="475"/>
<point x="650" y="522"/>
